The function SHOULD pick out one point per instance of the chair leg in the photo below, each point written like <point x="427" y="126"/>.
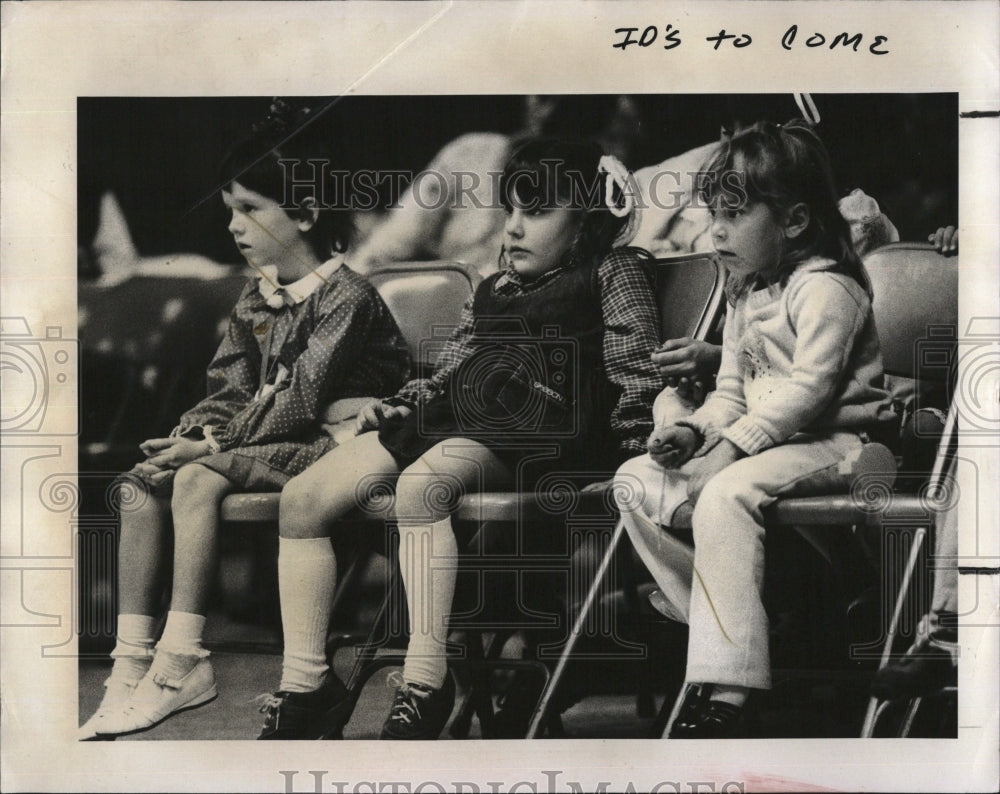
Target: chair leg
<point x="462" y="722"/>
<point x="645" y="706"/>
<point x="534" y="727"/>
<point x="871" y="715"/>
<point x="908" y="717"/>
<point x="686" y="691"/>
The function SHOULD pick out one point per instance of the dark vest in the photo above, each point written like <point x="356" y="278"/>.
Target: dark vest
<point x="533" y="387"/>
<point x="537" y="371"/>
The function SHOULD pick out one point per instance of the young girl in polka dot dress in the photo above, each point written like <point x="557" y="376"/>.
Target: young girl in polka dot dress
<point x="305" y="332"/>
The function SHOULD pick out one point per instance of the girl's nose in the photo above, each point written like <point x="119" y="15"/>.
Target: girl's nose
<point x="513" y="226"/>
<point x="718" y="228"/>
<point x="236" y="222"/>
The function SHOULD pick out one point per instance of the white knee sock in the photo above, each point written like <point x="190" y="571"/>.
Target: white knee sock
<point x="429" y="577"/>
<point x="307" y="576"/>
<point x="133" y="650"/>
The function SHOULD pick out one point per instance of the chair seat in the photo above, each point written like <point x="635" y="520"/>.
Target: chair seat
<point x="534" y="506"/>
<point x="243" y="507"/>
<point x="844" y="509"/>
<point x="263" y="507"/>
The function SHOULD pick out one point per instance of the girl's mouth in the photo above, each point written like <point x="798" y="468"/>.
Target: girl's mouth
<point x="515" y="250"/>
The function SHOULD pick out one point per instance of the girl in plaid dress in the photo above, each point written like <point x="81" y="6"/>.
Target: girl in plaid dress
<point x="305" y="332"/>
<point x="549" y="369"/>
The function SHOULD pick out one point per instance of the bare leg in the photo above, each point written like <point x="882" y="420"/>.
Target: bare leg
<point x="181" y="676"/>
<point x="198" y="493"/>
<point x="331" y="487"/>
<point x="142" y="557"/>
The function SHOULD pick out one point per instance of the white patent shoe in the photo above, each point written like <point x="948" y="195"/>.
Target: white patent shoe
<point x="157" y="697"/>
<point x="116" y="694"/>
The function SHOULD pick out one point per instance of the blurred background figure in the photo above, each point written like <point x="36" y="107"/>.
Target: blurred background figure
<point x="112" y="257"/>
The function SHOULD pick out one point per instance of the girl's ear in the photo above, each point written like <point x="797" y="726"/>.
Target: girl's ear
<point x="308" y="214"/>
<point x="796" y="220"/>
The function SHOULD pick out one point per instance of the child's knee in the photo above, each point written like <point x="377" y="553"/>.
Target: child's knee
<point x="713" y="495"/>
<point x="628" y="486"/>
<point x="423" y="495"/>
<point x="196" y="484"/>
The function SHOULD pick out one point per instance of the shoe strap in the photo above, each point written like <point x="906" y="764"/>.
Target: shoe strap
<point x="129" y="684"/>
<point x="170" y="683"/>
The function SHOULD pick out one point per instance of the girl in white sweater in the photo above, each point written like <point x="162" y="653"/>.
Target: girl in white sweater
<point x="798" y="392"/>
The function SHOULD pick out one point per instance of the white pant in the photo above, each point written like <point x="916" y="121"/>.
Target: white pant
<point x="728" y="641"/>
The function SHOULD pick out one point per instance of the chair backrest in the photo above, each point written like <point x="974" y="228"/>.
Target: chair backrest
<point x="915" y="308"/>
<point x="426" y="298"/>
<point x="690" y="291"/>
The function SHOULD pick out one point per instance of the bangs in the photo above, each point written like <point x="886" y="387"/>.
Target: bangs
<point x="255" y="170"/>
<point x="549" y="173"/>
<point x="744" y="171"/>
<point x="526" y="185"/>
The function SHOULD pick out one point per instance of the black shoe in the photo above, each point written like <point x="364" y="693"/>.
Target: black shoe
<point x="708" y="719"/>
<point x="319" y="714"/>
<point x="926" y="668"/>
<point x="419" y="712"/>
<point x="516" y="706"/>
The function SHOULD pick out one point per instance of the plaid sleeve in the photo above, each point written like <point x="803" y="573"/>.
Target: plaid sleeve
<point x="455" y="351"/>
<point x="631" y="334"/>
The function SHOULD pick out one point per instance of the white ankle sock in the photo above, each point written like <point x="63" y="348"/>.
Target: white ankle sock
<point x="183" y="633"/>
<point x="307" y="577"/>
<point x="429" y="578"/>
<point x="734" y="695"/>
<point x="133" y="650"/>
<point x="179" y="649"/>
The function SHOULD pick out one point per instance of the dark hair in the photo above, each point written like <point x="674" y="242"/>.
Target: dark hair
<point x="548" y="173"/>
<point x="287" y="159"/>
<point x="780" y="166"/>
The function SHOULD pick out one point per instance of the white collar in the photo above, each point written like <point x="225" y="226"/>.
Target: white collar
<point x="278" y="295"/>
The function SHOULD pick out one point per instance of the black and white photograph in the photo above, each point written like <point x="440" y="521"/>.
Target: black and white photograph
<point x="641" y="429"/>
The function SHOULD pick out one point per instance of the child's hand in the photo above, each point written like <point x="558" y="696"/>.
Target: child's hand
<point x="672" y="446"/>
<point x="172" y="453"/>
<point x="723" y="454"/>
<point x="372" y="415"/>
<point x="152" y="475"/>
<point x="687" y="364"/>
<point x="944" y="239"/>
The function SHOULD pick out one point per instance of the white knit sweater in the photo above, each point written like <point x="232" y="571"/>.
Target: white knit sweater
<point x="800" y="358"/>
